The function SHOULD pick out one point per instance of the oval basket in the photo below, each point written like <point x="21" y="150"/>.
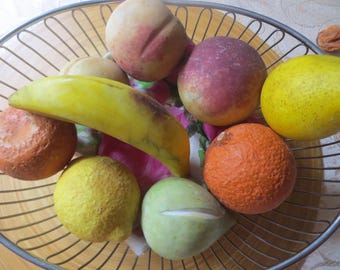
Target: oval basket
<point x="277" y="239"/>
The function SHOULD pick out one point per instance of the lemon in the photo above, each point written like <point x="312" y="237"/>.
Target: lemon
<point x="300" y="98"/>
<point x="97" y="199"/>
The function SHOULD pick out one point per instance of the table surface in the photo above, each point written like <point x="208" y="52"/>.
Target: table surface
<point x="306" y="16"/>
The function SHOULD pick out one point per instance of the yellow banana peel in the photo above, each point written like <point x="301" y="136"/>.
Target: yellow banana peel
<point x="113" y="108"/>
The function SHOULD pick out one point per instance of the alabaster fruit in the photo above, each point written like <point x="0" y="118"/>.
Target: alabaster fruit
<point x="95" y="66"/>
<point x="97" y="199"/>
<point x="301" y="97"/>
<point x="180" y="218"/>
<point x="221" y="82"/>
<point x="145" y="39"/>
<point x="32" y="146"/>
<point x="249" y="169"/>
<point x="112" y="108"/>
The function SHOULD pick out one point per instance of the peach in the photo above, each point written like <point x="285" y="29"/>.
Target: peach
<point x="145" y="39"/>
<point x="220" y="83"/>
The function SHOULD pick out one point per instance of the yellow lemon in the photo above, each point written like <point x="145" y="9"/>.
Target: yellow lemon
<point x="97" y="199"/>
<point x="300" y="98"/>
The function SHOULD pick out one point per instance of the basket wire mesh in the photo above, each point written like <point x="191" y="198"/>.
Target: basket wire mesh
<point x="277" y="239"/>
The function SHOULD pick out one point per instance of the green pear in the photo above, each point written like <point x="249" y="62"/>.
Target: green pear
<point x="181" y="218"/>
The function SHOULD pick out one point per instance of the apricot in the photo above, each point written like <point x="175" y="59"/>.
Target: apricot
<point x="220" y="84"/>
<point x="145" y="39"/>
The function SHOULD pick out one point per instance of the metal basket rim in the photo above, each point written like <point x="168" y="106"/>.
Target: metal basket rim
<point x="307" y="42"/>
<point x="242" y="11"/>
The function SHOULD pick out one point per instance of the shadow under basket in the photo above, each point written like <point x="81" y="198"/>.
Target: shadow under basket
<point x="277" y="239"/>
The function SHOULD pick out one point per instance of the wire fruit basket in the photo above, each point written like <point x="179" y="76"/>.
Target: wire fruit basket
<point x="277" y="239"/>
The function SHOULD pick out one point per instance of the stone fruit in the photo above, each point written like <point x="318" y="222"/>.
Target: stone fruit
<point x="95" y="66"/>
<point x="32" y="146"/>
<point x="249" y="168"/>
<point x="301" y="97"/>
<point x="180" y="218"/>
<point x="145" y="39"/>
<point x="113" y="108"/>
<point x="220" y="84"/>
<point x="97" y="199"/>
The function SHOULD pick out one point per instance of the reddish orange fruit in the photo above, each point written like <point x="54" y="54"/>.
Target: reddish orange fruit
<point x="249" y="168"/>
<point x="32" y="146"/>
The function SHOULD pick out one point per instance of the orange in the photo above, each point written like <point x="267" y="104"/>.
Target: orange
<point x="249" y="168"/>
<point x="34" y="147"/>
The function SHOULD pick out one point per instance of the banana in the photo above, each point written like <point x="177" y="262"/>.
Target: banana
<point x="113" y="108"/>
